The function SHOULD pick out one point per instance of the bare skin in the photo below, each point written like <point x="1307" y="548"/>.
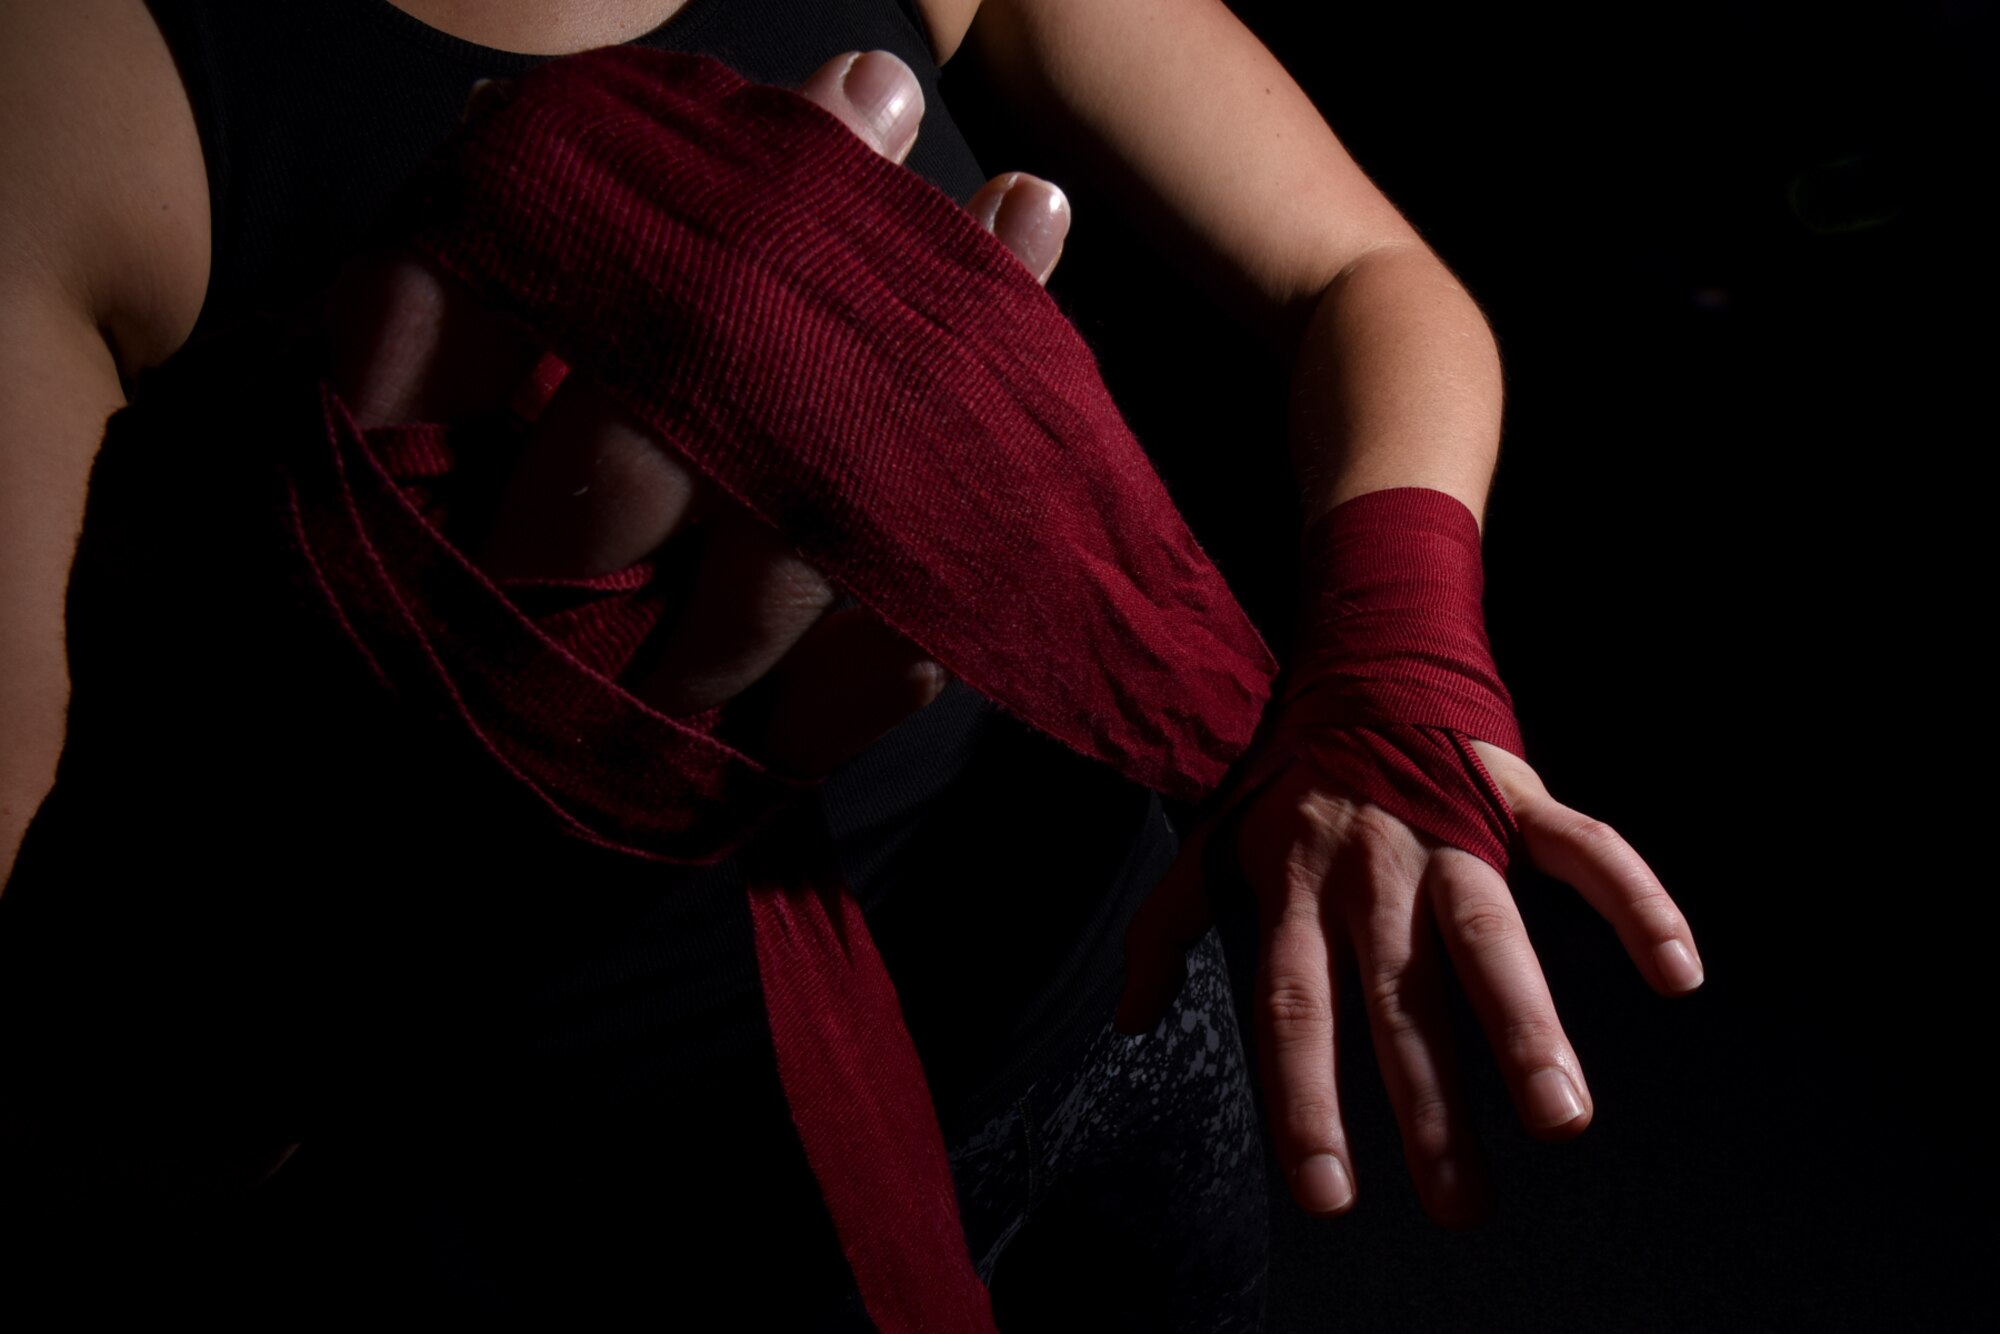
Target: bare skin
<point x="1220" y="159"/>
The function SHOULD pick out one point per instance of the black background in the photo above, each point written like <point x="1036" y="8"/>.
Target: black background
<point x="1728" y="251"/>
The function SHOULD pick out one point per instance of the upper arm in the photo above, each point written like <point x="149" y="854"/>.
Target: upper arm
<point x="103" y="193"/>
<point x="103" y="262"/>
<point x="1220" y="155"/>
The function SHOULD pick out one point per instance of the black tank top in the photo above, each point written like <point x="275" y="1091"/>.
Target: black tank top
<point x="997" y="868"/>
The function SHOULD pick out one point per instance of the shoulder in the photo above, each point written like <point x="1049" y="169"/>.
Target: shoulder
<point x="103" y="191"/>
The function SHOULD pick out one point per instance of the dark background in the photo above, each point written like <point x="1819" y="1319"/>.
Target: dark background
<point x="1728" y="253"/>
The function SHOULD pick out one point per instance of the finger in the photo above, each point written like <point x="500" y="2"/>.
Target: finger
<point x="1615" y="880"/>
<point x="1489" y="949"/>
<point x="875" y="95"/>
<point x="593" y="492"/>
<point x="1402" y="981"/>
<point x="1170" y="922"/>
<point x="849" y="680"/>
<point x="410" y="345"/>
<point x="1295" y="1039"/>
<point x="1295" y="996"/>
<point x="1030" y="216"/>
<point x="754" y="597"/>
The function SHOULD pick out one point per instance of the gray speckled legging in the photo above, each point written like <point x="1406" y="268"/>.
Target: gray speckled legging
<point x="1127" y="1193"/>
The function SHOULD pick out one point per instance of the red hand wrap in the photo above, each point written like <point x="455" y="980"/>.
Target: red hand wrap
<point x="1393" y="676"/>
<point x="839" y="347"/>
<point x="835" y="344"/>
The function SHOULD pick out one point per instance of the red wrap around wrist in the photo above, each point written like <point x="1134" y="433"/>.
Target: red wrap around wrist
<point x="1393" y="677"/>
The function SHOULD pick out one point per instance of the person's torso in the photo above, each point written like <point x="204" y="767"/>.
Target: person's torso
<point x="996" y="866"/>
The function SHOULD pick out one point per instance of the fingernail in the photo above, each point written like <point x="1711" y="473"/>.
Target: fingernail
<point x="1323" y="1184"/>
<point x="931" y="678"/>
<point x="886" y="93"/>
<point x="1031" y="221"/>
<point x="1678" y="966"/>
<point x="481" y="90"/>
<point x="1552" y="1099"/>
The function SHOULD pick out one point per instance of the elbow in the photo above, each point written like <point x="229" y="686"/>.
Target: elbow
<point x="1416" y="267"/>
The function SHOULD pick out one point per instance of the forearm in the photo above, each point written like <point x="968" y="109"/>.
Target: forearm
<point x="1396" y="382"/>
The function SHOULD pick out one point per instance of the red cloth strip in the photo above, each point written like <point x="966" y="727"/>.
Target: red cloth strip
<point x="734" y="265"/>
<point x="1394" y="677"/>
<point x="857" y="1087"/>
<point x="453" y="646"/>
<point x="839" y="347"/>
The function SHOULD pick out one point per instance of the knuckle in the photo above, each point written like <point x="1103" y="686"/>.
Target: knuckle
<point x="798" y="591"/>
<point x="1660" y="915"/>
<point x="1298" y="877"/>
<point x="1296" y="1010"/>
<point x="1311" y="1119"/>
<point x="1482" y="922"/>
<point x="1531" y="1039"/>
<point x="648" y="475"/>
<point x="1385" y="851"/>
<point x="1384" y="828"/>
<point x="770" y="594"/>
<point x="1592" y="834"/>
<point x="1388" y="993"/>
<point x="1323" y="817"/>
<point x="1427" y="1126"/>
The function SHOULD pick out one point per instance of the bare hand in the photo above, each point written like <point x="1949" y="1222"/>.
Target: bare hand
<point x="1337" y="879"/>
<point x="596" y="491"/>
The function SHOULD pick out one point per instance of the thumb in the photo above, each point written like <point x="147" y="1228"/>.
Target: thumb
<point x="1174" y="917"/>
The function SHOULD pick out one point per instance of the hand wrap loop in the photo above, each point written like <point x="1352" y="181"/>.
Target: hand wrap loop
<point x="1393" y="677"/>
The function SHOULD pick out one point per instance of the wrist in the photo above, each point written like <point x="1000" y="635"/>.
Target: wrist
<point x="1390" y="627"/>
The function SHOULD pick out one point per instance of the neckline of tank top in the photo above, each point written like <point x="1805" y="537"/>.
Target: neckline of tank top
<point x="683" y="22"/>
